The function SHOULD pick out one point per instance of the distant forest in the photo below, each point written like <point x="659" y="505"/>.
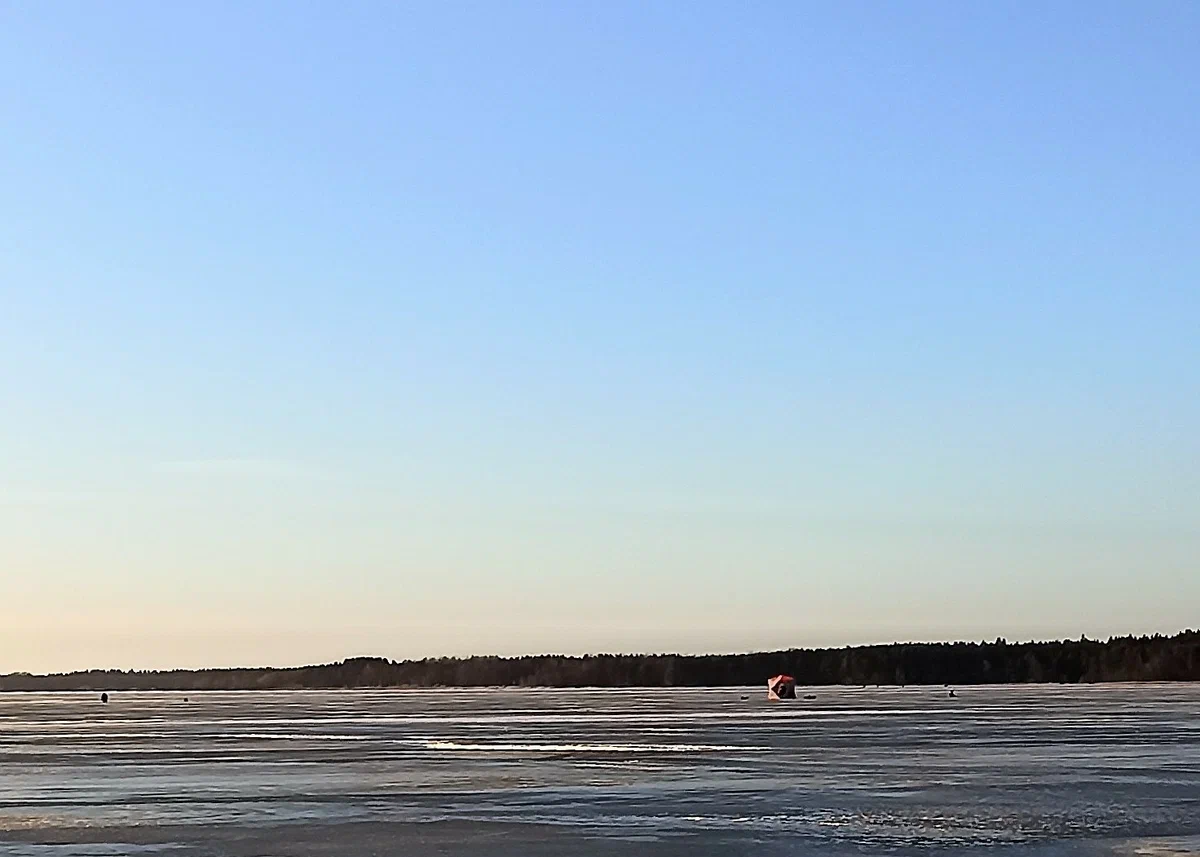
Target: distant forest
<point x="1154" y="658"/>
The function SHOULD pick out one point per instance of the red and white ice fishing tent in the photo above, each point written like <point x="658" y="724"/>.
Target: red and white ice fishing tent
<point x="781" y="687"/>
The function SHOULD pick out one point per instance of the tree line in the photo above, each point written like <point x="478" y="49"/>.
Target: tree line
<point x="1147" y="658"/>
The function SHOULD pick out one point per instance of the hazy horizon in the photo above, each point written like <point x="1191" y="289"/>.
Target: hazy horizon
<point x="199" y="666"/>
<point x="400" y="331"/>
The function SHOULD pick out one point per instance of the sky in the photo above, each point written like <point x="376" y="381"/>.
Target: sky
<point x="420" y="329"/>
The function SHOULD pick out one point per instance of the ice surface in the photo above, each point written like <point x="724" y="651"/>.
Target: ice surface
<point x="1032" y="769"/>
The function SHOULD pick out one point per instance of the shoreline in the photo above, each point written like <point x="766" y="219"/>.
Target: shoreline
<point x="1082" y="661"/>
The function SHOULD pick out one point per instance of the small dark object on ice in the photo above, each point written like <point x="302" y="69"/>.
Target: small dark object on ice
<point x="104" y="697"/>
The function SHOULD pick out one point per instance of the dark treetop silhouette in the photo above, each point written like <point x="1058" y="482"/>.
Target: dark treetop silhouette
<point x="1155" y="658"/>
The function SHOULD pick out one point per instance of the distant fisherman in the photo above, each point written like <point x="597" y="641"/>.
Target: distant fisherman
<point x="104" y="697"/>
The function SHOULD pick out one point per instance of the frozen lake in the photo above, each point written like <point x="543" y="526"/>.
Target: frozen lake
<point x="1028" y="769"/>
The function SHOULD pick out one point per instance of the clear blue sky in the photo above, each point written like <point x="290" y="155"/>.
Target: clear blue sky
<point x="411" y="329"/>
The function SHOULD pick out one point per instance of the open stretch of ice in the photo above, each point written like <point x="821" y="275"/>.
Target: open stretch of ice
<point x="1045" y="769"/>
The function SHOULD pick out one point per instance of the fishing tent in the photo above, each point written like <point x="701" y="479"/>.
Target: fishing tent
<point x="781" y="687"/>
